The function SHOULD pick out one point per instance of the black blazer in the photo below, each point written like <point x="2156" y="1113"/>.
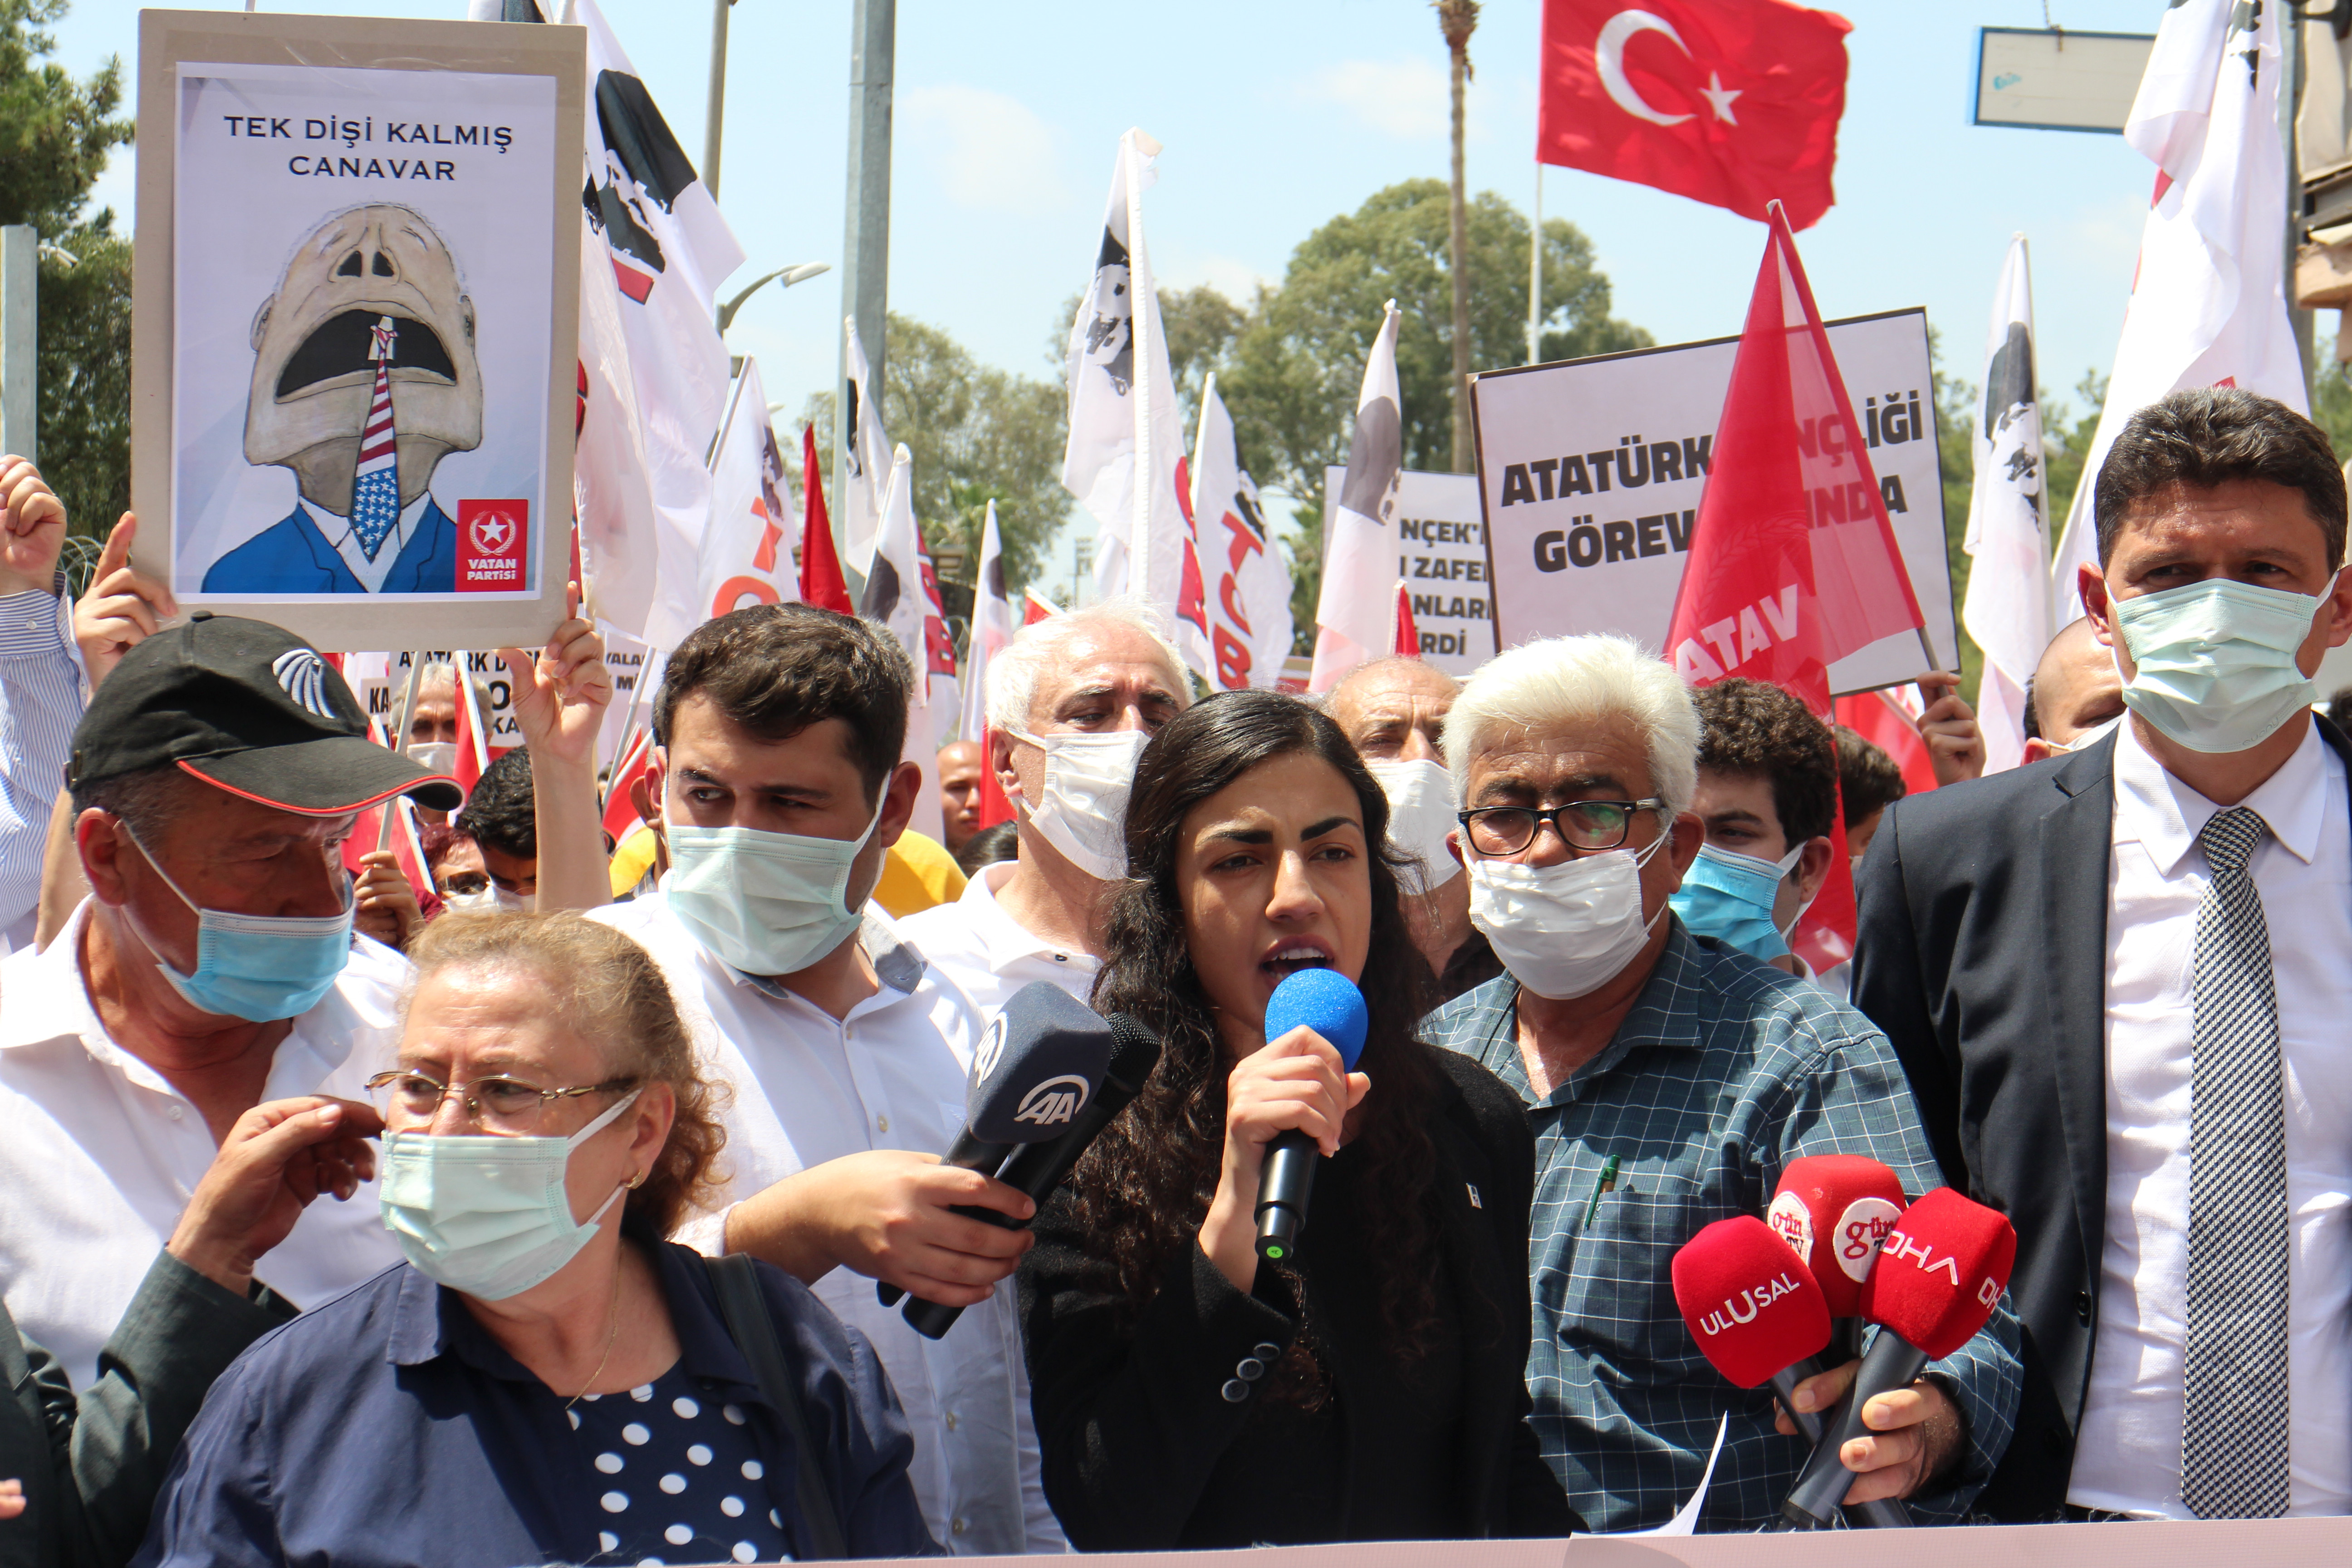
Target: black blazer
<point x="1132" y="1418"/>
<point x="1983" y="955"/>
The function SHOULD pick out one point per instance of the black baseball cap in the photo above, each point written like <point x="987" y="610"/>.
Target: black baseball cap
<point x="251" y="709"/>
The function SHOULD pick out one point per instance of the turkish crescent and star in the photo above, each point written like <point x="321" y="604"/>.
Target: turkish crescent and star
<point x="1609" y="59"/>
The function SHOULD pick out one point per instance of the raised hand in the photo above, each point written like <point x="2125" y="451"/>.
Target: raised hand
<point x="559" y="698"/>
<point x="121" y="608"/>
<point x="383" y="905"/>
<point x="32" y="528"/>
<point x="1955" y="748"/>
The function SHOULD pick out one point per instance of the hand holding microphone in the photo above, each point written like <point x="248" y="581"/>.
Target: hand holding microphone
<point x="1936" y="1281"/>
<point x="1328" y="1002"/>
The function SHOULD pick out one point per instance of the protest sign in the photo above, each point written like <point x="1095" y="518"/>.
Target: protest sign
<point x="355" y="311"/>
<point x="1590" y="473"/>
<point x="1441" y="543"/>
<point x="381" y="680"/>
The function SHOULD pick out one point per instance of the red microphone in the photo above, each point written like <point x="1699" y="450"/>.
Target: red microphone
<point x="1938" y="1279"/>
<point x="1834" y="1210"/>
<point x="1759" y="1317"/>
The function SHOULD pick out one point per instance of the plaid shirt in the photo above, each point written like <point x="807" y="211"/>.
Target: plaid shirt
<point x="1724" y="1071"/>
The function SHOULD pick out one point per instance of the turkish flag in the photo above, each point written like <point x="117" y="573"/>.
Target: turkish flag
<point x="821" y="582"/>
<point x="1730" y="102"/>
<point x="1406" y="640"/>
<point x="1792" y="563"/>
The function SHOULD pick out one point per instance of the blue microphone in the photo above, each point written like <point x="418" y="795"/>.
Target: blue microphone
<point x="1327" y="1002"/>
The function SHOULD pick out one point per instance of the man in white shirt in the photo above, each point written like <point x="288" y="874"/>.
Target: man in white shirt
<point x="218" y="770"/>
<point x="1071" y="703"/>
<point x="778" y="733"/>
<point x="2098" y="966"/>
<point x="1394" y="711"/>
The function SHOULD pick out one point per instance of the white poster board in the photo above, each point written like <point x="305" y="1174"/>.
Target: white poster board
<point x="1590" y="473"/>
<point x="1442" y="561"/>
<point x="355" y="297"/>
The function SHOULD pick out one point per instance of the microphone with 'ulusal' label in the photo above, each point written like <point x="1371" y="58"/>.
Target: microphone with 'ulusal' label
<point x="1760" y="1317"/>
<point x="1834" y="1210"/>
<point x="1035" y="1069"/>
<point x="1327" y="1002"/>
<point x="1938" y="1279"/>
<point x="1038" y="1169"/>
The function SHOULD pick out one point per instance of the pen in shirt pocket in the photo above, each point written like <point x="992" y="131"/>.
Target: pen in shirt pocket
<point x="1607" y="1184"/>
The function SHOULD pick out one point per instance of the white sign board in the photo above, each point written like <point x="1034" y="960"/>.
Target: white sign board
<point x="1441" y="559"/>
<point x="2054" y="79"/>
<point x="1590" y="470"/>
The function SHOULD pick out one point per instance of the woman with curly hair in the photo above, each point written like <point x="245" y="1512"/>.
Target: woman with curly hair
<point x="546" y="1379"/>
<point x="1372" y="1385"/>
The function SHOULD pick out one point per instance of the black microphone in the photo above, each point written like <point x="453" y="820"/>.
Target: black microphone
<point x="1037" y="1066"/>
<point x="1038" y="1169"/>
<point x="1327" y="1002"/>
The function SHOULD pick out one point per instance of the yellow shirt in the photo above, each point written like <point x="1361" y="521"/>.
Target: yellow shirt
<point x="633" y="858"/>
<point x="916" y="874"/>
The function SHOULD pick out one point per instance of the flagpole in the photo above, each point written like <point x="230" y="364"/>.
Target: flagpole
<point x="715" y="115"/>
<point x="407" y="711"/>
<point x="1534" y="276"/>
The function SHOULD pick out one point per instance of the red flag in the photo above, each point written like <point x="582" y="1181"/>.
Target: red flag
<point x="1792" y="564"/>
<point x="1406" y="641"/>
<point x="995" y="806"/>
<point x="1879" y="718"/>
<point x="1730" y="102"/>
<point x="620" y="814"/>
<point x="821" y="580"/>
<point x="1035" y="607"/>
<point x="472" y="750"/>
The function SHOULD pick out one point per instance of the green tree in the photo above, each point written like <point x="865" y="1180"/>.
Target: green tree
<point x="55" y="135"/>
<point x="1955" y="422"/>
<point x="1297" y="366"/>
<point x="975" y="434"/>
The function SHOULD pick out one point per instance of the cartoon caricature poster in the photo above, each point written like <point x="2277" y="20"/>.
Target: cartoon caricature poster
<point x="362" y="266"/>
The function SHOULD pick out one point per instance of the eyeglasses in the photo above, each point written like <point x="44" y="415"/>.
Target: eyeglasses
<point x="506" y="1106"/>
<point x="1580" y="823"/>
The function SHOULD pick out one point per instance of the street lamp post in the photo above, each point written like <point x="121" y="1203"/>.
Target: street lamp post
<point x="715" y="116"/>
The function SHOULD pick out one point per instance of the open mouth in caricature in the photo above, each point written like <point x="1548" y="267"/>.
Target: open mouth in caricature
<point x="336" y="353"/>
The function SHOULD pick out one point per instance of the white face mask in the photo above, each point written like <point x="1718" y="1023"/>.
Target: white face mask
<point x="1420" y="814"/>
<point x="1564" y="931"/>
<point x="766" y="903"/>
<point x="1084" y="814"/>
<point x="441" y="756"/>
<point x="477" y="901"/>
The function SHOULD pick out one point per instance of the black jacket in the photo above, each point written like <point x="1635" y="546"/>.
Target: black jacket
<point x="92" y="1465"/>
<point x="1132" y="1419"/>
<point x="1983" y="955"/>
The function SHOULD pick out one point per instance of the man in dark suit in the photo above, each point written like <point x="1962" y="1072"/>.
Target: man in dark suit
<point x="2093" y="965"/>
<point x="293" y="556"/>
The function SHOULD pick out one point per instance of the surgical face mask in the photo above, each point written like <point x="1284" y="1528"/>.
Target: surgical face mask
<point x="488" y="1216"/>
<point x="1564" y="931"/>
<point x="1084" y="812"/>
<point x="2088" y="738"/>
<point x="261" y="968"/>
<point x="1729" y="897"/>
<point x="480" y="900"/>
<point x="2216" y="669"/>
<point x="441" y="756"/>
<point x="767" y="903"/>
<point x="1420" y="814"/>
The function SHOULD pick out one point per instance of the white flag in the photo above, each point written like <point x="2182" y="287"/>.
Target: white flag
<point x="902" y="594"/>
<point x="865" y="458"/>
<point x="2208" y="307"/>
<point x="1127" y="436"/>
<point x="993" y="625"/>
<point x="1247" y="584"/>
<point x="2007" y="610"/>
<point x="654" y="254"/>
<point x="747" y="551"/>
<point x="1351" y="617"/>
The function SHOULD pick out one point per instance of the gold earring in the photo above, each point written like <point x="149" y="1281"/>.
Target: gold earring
<point x="638" y="1180"/>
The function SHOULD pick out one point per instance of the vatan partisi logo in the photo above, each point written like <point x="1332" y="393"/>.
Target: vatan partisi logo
<point x="493" y="533"/>
<point x="303" y="675"/>
<point x="1053" y="1102"/>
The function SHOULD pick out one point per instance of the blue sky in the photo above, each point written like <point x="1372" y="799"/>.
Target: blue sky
<point x="1278" y="114"/>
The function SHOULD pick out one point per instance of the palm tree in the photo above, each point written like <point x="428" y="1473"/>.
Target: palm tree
<point x="1458" y="19"/>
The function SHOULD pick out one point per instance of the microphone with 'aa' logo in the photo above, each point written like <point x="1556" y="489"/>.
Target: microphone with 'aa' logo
<point x="1036" y="1067"/>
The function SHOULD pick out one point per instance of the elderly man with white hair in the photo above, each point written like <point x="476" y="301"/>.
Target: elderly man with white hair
<point x="1670" y="1079"/>
<point x="1070" y="705"/>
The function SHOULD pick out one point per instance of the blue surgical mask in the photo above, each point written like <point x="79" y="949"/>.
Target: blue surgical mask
<point x="261" y="968"/>
<point x="1729" y="897"/>
<point x="488" y="1216"/>
<point x="2215" y="661"/>
<point x="767" y="903"/>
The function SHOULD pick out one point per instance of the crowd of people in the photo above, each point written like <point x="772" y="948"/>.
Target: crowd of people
<point x="555" y="1211"/>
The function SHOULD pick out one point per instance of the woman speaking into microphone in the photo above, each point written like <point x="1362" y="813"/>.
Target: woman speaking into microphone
<point x="1371" y="1385"/>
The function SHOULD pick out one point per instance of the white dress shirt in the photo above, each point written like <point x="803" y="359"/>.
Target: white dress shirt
<point x="43" y="691"/>
<point x="892" y="1075"/>
<point x="988" y="953"/>
<point x="2127" y="1455"/>
<point x="99" y="1153"/>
